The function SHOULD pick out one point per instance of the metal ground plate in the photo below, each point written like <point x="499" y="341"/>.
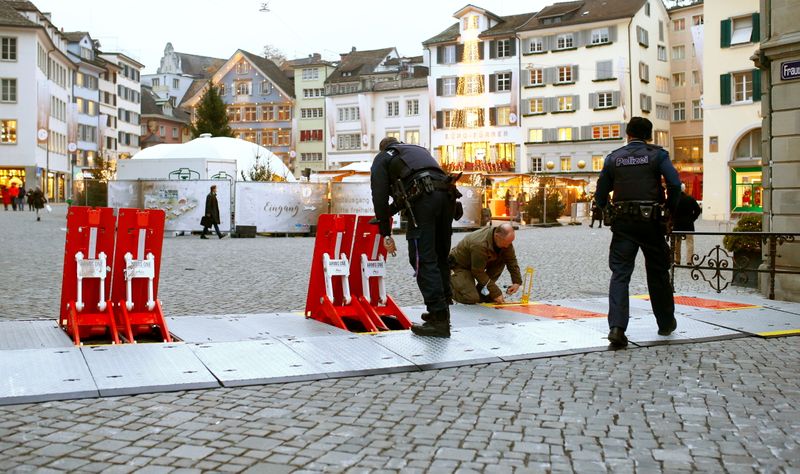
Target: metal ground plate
<point x="753" y="299"/>
<point x="208" y="328"/>
<point x="510" y="341"/>
<point x="569" y="336"/>
<point x="349" y="355"/>
<point x="287" y="325"/>
<point x="32" y="335"/>
<point x="237" y="364"/>
<point x="643" y="331"/>
<point x="38" y="375"/>
<point x="433" y="352"/>
<point x="146" y="368"/>
<point x="764" y="322"/>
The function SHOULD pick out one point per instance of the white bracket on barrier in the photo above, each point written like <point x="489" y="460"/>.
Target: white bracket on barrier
<point x="336" y="268"/>
<point x="373" y="269"/>
<point x="145" y="268"/>
<point x="91" y="268"/>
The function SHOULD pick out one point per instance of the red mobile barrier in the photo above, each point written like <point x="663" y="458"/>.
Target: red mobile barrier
<point x="137" y="261"/>
<point x="329" y="298"/>
<point x="367" y="278"/>
<point x="85" y="309"/>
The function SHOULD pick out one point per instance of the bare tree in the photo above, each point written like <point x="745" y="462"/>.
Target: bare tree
<point x="274" y="54"/>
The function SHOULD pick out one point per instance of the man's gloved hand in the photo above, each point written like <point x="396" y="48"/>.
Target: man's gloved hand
<point x="512" y="289"/>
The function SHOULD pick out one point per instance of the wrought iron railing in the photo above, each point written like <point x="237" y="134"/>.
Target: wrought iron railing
<point x="718" y="264"/>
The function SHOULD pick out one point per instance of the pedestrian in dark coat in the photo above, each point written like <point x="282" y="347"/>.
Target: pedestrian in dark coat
<point x="686" y="213"/>
<point x="38" y="200"/>
<point x="21" y="198"/>
<point x="597" y="215"/>
<point x="211" y="216"/>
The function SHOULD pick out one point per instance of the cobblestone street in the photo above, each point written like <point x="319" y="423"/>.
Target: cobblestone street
<point x="729" y="406"/>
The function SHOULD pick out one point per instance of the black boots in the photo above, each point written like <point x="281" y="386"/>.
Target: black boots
<point x="666" y="331"/>
<point x="617" y="338"/>
<point x="437" y="324"/>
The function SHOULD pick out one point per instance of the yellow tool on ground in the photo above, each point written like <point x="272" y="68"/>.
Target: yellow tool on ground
<point x="527" y="285"/>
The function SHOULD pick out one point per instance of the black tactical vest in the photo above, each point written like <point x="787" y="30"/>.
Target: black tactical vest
<point x="412" y="160"/>
<point x="636" y="174"/>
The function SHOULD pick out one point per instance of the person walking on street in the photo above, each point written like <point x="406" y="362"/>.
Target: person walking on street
<point x="30" y="199"/>
<point x="414" y="180"/>
<point x="21" y="198"/>
<point x="634" y="174"/>
<point x="211" y="216"/>
<point x="479" y="260"/>
<point x="687" y="212"/>
<point x="597" y="215"/>
<point x="13" y="193"/>
<point x="6" y="196"/>
<point x="38" y="200"/>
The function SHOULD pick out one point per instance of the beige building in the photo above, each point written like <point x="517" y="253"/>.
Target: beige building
<point x="732" y="177"/>
<point x="685" y="87"/>
<point x="309" y="90"/>
<point x="779" y="59"/>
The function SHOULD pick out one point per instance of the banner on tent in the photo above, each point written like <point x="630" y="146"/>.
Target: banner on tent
<point x="183" y="202"/>
<point x="280" y="207"/>
<point x="472" y="201"/>
<point x="355" y="198"/>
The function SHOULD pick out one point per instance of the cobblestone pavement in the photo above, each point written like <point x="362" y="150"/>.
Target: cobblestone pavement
<point x="730" y="406"/>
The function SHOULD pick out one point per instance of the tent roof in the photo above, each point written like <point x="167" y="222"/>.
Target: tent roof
<point x="219" y="148"/>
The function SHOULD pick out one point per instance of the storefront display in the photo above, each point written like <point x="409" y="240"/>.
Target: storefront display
<point x="747" y="190"/>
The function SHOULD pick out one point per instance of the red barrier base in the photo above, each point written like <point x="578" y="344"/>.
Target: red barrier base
<point x="388" y="317"/>
<point x="84" y="326"/>
<point x="142" y="324"/>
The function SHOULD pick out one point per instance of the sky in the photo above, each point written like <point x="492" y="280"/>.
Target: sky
<point x="297" y="28"/>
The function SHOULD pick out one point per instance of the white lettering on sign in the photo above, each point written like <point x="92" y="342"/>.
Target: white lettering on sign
<point x="140" y="269"/>
<point x="790" y="70"/>
<point x="91" y="269"/>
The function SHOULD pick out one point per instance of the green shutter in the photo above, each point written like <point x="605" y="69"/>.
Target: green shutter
<point x="755" y="35"/>
<point x="725" y="89"/>
<point x="756" y="85"/>
<point x="725" y="33"/>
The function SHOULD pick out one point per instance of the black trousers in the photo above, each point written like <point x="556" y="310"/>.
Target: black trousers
<point x="216" y="229"/>
<point x="628" y="237"/>
<point x="429" y="246"/>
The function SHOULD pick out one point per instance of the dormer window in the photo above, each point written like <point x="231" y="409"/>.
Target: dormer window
<point x="471" y="22"/>
<point x="551" y="20"/>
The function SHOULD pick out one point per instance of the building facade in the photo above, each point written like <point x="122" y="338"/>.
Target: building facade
<point x="84" y="136"/>
<point x="686" y="93"/>
<point x="129" y="103"/>
<point x="178" y="71"/>
<point x="588" y="68"/>
<point x="108" y="120"/>
<point x="35" y="93"/>
<point x="779" y="60"/>
<point x="474" y="90"/>
<point x="161" y="121"/>
<point x="367" y="97"/>
<point x="260" y="102"/>
<point x="732" y="174"/>
<point x="309" y="114"/>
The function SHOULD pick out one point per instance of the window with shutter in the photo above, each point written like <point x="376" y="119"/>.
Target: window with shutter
<point x="725" y="89"/>
<point x="604" y="70"/>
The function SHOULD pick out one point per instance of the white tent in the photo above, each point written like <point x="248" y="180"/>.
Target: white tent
<point x="215" y="148"/>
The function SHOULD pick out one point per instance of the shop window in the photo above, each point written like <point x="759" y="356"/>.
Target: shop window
<point x="747" y="190"/>
<point x="597" y="162"/>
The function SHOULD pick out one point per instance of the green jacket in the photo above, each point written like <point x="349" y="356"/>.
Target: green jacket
<point x="477" y="253"/>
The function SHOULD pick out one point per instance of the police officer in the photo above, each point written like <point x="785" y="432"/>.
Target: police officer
<point x="638" y="217"/>
<point x="409" y="172"/>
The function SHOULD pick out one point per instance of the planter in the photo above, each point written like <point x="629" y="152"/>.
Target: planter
<point x="745" y="264"/>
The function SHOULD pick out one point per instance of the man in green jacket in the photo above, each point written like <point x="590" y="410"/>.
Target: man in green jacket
<point x="477" y="262"/>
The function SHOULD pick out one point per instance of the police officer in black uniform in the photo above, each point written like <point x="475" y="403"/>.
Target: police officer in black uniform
<point x="409" y="172"/>
<point x="638" y="217"/>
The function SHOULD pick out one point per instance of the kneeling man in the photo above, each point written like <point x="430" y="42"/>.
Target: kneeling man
<point x="477" y="262"/>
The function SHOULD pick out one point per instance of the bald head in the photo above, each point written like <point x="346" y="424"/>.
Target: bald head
<point x="504" y="235"/>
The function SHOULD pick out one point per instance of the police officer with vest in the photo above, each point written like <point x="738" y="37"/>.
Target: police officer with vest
<point x="638" y="217"/>
<point x="419" y="187"/>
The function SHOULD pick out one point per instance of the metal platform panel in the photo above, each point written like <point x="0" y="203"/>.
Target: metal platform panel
<point x="483" y="315"/>
<point x="38" y="375"/>
<point x="570" y="336"/>
<point x="510" y="342"/>
<point x="765" y="322"/>
<point x="146" y="368"/>
<point x="32" y="335"/>
<point x="287" y="326"/>
<point x="597" y="305"/>
<point x="236" y="364"/>
<point x="209" y="328"/>
<point x="434" y="352"/>
<point x="342" y="356"/>
<point x="643" y="331"/>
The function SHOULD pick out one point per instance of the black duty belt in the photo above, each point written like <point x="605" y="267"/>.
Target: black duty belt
<point x="645" y="210"/>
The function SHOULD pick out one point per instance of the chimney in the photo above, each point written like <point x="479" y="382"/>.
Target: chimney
<point x="353" y="49"/>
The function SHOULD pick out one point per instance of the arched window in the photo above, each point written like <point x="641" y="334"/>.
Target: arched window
<point x="749" y="146"/>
